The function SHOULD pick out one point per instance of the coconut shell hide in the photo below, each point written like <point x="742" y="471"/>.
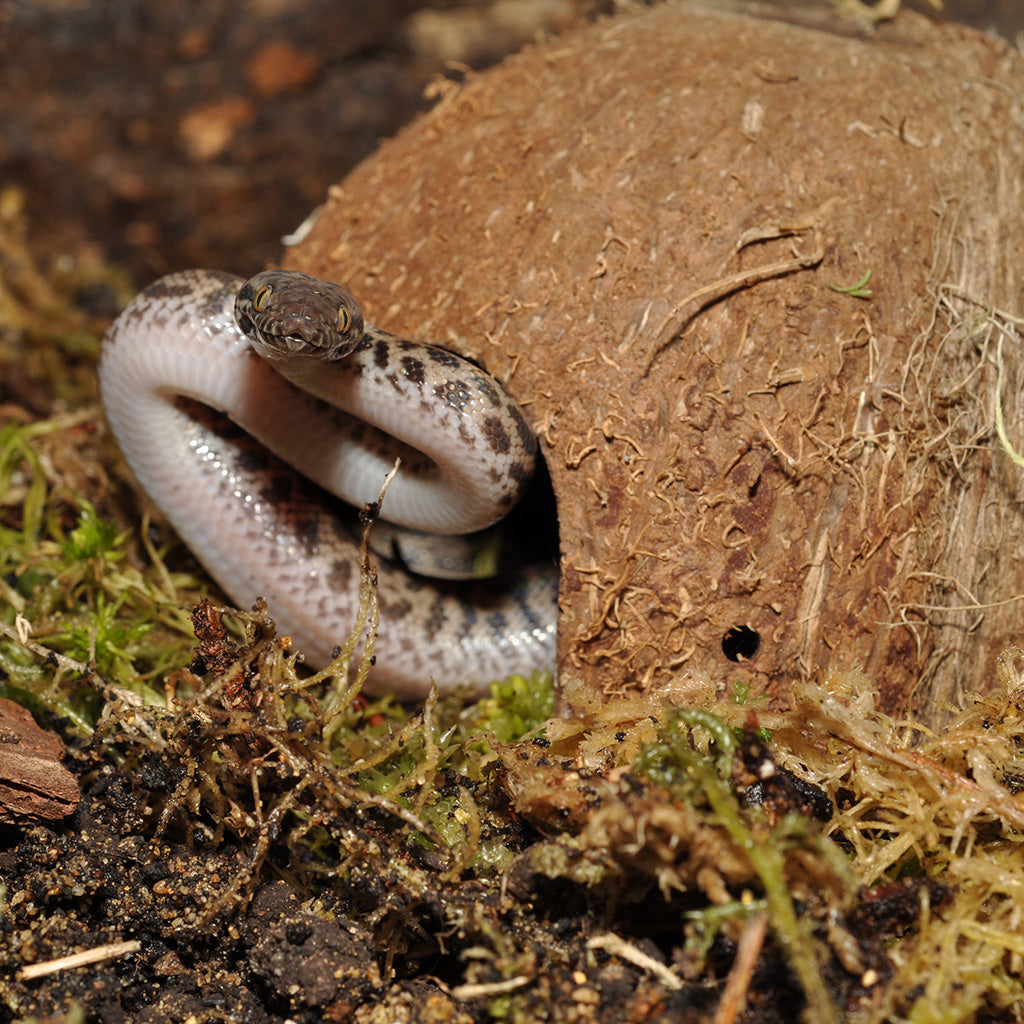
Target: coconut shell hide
<point x="640" y="229"/>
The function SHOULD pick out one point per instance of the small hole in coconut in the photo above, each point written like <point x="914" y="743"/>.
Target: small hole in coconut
<point x="741" y="643"/>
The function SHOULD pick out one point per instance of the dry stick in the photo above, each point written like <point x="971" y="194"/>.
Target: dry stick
<point x="1004" y="440"/>
<point x="493" y="988"/>
<point x="21" y="632"/>
<point x="696" y="302"/>
<point x="614" y="945"/>
<point x="87" y="956"/>
<point x="367" y="615"/>
<point x="737" y="985"/>
<point x="996" y="317"/>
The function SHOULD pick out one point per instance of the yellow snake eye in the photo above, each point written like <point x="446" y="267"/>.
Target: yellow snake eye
<point x="344" y="319"/>
<point x="259" y="302"/>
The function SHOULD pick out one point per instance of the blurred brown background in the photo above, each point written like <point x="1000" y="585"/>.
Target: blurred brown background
<point x="171" y="133"/>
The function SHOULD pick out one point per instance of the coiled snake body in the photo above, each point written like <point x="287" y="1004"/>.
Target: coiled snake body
<point x="314" y="393"/>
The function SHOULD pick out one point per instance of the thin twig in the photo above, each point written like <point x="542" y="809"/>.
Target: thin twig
<point x="492" y="988"/>
<point x="616" y="946"/>
<point x="86" y="956"/>
<point x="734" y="995"/>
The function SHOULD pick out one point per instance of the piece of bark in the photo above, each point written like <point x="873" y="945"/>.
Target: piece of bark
<point x="33" y="782"/>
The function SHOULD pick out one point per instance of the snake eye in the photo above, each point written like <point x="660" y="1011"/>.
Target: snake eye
<point x="259" y="302"/>
<point x="344" y="321"/>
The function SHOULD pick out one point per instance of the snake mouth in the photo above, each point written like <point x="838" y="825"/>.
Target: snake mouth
<point x="272" y="344"/>
<point x="288" y="341"/>
<point x="297" y="344"/>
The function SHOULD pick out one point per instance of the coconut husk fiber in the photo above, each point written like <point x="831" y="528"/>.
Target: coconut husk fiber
<point x="641" y="228"/>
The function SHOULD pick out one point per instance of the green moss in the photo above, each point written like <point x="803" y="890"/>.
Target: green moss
<point x="516" y="707"/>
<point x="66" y="583"/>
<point x="93" y="539"/>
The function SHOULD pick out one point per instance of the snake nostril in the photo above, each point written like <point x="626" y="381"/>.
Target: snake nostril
<point x="741" y="643"/>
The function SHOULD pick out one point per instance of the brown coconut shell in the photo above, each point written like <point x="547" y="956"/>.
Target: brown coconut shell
<point x="641" y="228"/>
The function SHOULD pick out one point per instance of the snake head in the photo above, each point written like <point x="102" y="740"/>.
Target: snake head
<point x="284" y="314"/>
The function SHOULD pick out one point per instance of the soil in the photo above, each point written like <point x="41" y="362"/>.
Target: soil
<point x="167" y="135"/>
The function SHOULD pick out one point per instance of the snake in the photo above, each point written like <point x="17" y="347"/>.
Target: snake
<point x="254" y="412"/>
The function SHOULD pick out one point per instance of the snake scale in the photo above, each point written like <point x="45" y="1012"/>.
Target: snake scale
<point x="238" y="440"/>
